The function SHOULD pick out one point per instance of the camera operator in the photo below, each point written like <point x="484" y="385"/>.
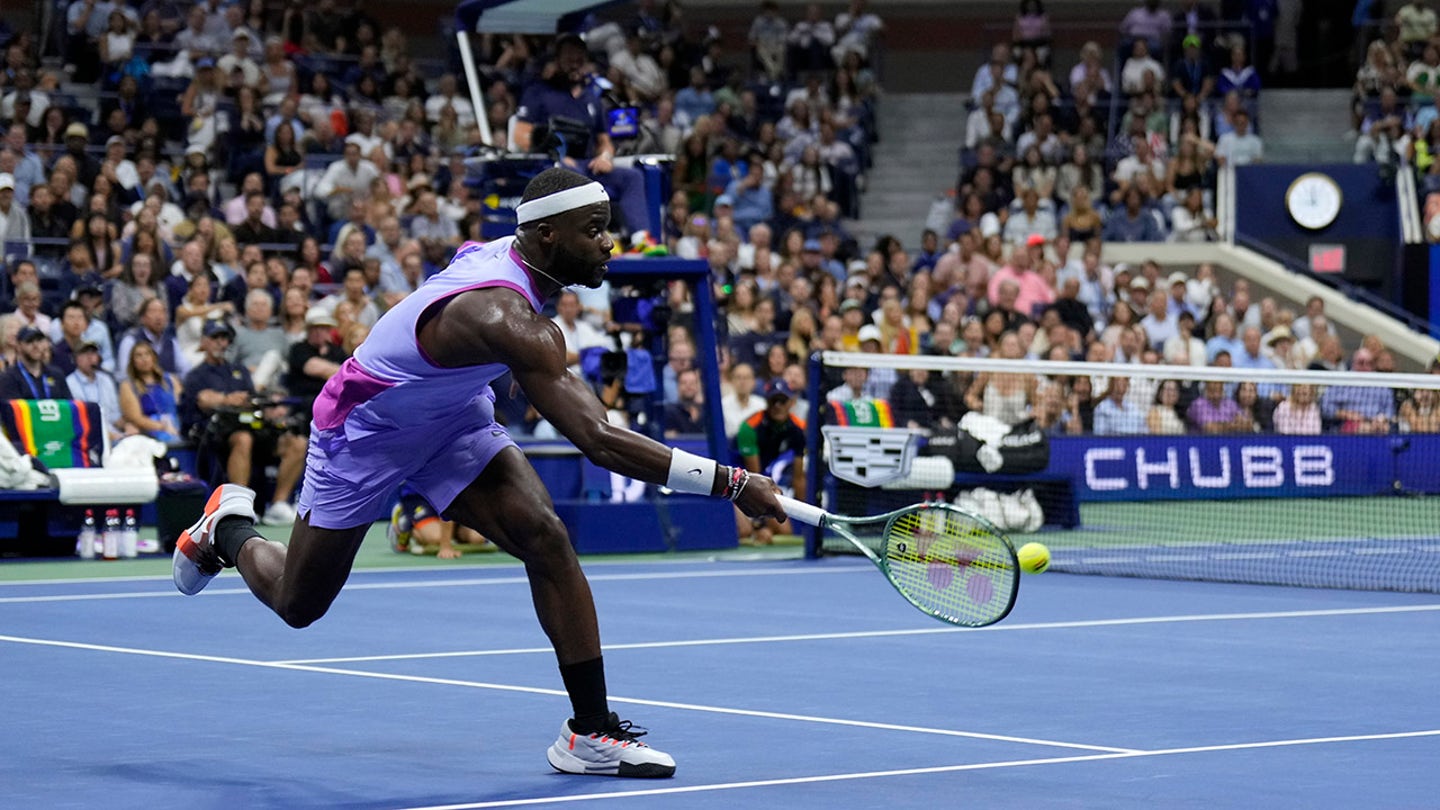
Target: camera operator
<point x="562" y="95"/>
<point x="220" y="411"/>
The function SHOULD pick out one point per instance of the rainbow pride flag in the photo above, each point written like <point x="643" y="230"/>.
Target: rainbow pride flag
<point x="60" y="433"/>
<point x="862" y="413"/>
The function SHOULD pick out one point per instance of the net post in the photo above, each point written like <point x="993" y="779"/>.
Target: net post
<point x="812" y="449"/>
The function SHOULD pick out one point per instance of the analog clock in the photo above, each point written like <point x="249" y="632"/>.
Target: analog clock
<point x="1313" y="200"/>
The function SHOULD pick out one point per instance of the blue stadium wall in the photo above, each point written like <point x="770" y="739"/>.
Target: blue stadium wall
<point x="1368" y="225"/>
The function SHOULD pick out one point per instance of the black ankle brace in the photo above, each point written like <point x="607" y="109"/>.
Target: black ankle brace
<point x="232" y="533"/>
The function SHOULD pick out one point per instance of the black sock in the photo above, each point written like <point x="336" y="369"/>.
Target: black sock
<point x="585" y="681"/>
<point x="231" y="533"/>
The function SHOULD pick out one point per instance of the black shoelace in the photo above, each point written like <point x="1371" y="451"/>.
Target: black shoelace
<point x="624" y="730"/>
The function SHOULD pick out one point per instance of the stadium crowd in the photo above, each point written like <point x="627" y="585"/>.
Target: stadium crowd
<point x="259" y="184"/>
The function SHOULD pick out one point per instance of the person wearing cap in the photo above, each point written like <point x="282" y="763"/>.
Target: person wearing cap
<point x="239" y="58"/>
<point x="215" y="394"/>
<point x="1191" y="75"/>
<point x="120" y="169"/>
<point x="765" y="440"/>
<point x="91" y="298"/>
<point x="90" y="383"/>
<point x="345" y="179"/>
<point x="14" y="221"/>
<point x="77" y="143"/>
<point x="726" y="202"/>
<point x="564" y="95"/>
<point x="852" y="318"/>
<point x="32" y="376"/>
<point x="314" y="360"/>
<point x="1280" y="346"/>
<point x="879" y="380"/>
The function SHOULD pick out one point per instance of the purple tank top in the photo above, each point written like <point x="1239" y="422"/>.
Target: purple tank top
<point x="391" y="383"/>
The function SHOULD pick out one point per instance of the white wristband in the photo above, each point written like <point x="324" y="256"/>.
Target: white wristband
<point x="691" y="473"/>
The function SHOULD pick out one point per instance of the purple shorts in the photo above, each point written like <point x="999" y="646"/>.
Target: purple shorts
<point x="350" y="483"/>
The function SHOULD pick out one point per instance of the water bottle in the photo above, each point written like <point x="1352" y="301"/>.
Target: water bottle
<point x="85" y="543"/>
<point x="110" y="540"/>
<point x="130" y="536"/>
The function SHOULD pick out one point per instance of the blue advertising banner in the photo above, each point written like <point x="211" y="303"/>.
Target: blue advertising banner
<point x="1136" y="468"/>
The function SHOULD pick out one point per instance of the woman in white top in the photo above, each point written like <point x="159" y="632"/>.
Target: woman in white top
<point x="1163" y="420"/>
<point x="279" y="71"/>
<point x="741" y="402"/>
<point x="1007" y="397"/>
<point x="190" y="316"/>
<point x="740" y="312"/>
<point x="1183" y="348"/>
<point x="118" y="43"/>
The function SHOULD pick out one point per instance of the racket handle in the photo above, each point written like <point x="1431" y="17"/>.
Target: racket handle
<point x="803" y="512"/>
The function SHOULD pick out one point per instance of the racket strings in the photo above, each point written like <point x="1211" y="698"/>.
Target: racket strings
<point x="951" y="565"/>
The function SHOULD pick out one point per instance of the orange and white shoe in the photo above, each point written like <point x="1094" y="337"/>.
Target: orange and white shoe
<point x="196" y="562"/>
<point x="616" y="751"/>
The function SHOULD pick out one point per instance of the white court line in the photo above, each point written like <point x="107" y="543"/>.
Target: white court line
<point x="447" y="583"/>
<point x="925" y="631"/>
<point x="979" y="766"/>
<point x="534" y="690"/>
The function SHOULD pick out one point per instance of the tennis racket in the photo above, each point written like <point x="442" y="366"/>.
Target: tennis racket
<point x="947" y="562"/>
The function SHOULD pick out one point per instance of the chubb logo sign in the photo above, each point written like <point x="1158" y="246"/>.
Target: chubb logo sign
<point x="1110" y="469"/>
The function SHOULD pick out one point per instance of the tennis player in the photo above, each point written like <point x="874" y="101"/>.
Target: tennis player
<point x="414" y="404"/>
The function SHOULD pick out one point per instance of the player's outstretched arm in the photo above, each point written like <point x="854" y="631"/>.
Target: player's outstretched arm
<point x="499" y="326"/>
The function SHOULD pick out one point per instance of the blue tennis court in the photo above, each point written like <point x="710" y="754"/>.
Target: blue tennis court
<point x="775" y="683"/>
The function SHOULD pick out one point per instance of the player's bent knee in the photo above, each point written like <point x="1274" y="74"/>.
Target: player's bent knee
<point x="544" y="539"/>
<point x="299" y="614"/>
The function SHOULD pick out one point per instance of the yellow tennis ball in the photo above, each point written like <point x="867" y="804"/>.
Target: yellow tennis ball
<point x="1034" y="558"/>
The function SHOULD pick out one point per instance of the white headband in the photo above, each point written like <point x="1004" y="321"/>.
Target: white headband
<point x="560" y="202"/>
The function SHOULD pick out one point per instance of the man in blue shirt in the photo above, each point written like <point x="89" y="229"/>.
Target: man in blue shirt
<point x="1135" y="223"/>
<point x="753" y="202"/>
<point x="1251" y="355"/>
<point x="1359" y="409"/>
<point x="563" y="96"/>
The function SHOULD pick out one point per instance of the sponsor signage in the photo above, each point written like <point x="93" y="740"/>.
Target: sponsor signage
<point x="1216" y="467"/>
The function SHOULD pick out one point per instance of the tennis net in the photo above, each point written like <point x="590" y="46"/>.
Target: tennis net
<point x="1305" y="478"/>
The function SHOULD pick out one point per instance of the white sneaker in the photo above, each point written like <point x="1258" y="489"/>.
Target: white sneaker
<point x="195" y="561"/>
<point x="280" y="513"/>
<point x="617" y="751"/>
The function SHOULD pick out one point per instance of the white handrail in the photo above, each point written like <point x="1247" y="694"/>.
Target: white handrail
<point x="1365" y="379"/>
